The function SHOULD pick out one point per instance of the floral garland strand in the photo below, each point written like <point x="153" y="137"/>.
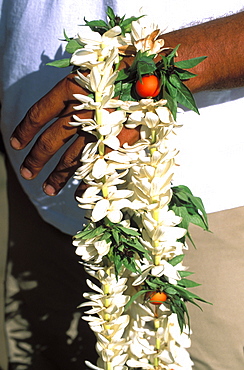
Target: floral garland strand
<point x="134" y="242"/>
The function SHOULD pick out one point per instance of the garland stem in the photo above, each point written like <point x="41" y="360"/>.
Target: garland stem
<point x="158" y="341"/>
<point x="109" y="366"/>
<point x="99" y="121"/>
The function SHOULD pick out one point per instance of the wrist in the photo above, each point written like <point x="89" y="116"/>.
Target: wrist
<point x="221" y="40"/>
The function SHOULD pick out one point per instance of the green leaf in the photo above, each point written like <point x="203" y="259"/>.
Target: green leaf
<point x="145" y="67"/>
<point x="89" y="234"/>
<point x="122" y="75"/>
<point x="172" y="91"/>
<point x="186" y="283"/>
<point x="130" y="265"/>
<point x="126" y="24"/>
<point x="110" y="13"/>
<point x="117" y="264"/>
<point x="125" y="93"/>
<point x="170" y="290"/>
<point x="186" y="294"/>
<point x="183" y="193"/>
<point x="190" y="63"/>
<point x="152" y="285"/>
<point x="106" y="236"/>
<point x="182" y="212"/>
<point x="138" y="248"/>
<point x="97" y="26"/>
<point x="171" y="101"/>
<point x="165" y="62"/>
<point x="61" y="63"/>
<point x="199" y="205"/>
<point x="142" y="64"/>
<point x="198" y="221"/>
<point x="177" y="259"/>
<point x="115" y="234"/>
<point x="172" y="55"/>
<point x="184" y="75"/>
<point x="188" y="235"/>
<point x="129" y="231"/>
<point x="186" y="313"/>
<point x="177" y="306"/>
<point x="118" y="89"/>
<point x="66" y="37"/>
<point x="185" y="273"/>
<point x="184" y="95"/>
<point x="135" y="296"/>
<point x="72" y="46"/>
<point x="183" y="196"/>
<point x="190" y="208"/>
<point x="181" y="187"/>
<point x="137" y="245"/>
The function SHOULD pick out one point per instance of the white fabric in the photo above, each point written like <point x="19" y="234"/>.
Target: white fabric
<point x="211" y="144"/>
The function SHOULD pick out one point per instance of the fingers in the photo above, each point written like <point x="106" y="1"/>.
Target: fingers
<point x="59" y="102"/>
<point x="50" y="106"/>
<point x="67" y="165"/>
<point x="49" y="142"/>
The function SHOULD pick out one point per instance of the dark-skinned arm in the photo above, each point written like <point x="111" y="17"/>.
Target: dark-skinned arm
<point x="222" y="41"/>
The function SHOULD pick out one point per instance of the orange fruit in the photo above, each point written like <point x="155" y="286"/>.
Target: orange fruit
<point x="156" y="298"/>
<point x="148" y="87"/>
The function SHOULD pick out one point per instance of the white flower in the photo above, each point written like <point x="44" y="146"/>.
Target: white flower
<point x="145" y="36"/>
<point x="150" y="43"/>
<point x="150" y="192"/>
<point x="165" y="217"/>
<point x="151" y="115"/>
<point x="142" y="363"/>
<point x="91" y="366"/>
<point x="112" y="205"/>
<point x="110" y="126"/>
<point x="166" y="357"/>
<point x="102" y="78"/>
<point x="87" y="103"/>
<point x="144" y="105"/>
<point x="101" y="165"/>
<point x="91" y="249"/>
<point x="166" y="269"/>
<point x="97" y="48"/>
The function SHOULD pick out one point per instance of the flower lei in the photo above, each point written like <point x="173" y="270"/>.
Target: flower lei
<point x="138" y="222"/>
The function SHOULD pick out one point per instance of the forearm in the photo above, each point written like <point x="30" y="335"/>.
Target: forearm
<point x="222" y="42"/>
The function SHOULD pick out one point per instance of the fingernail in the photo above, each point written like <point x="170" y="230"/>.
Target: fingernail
<point x="27" y="174"/>
<point x="49" y="189"/>
<point x="15" y="143"/>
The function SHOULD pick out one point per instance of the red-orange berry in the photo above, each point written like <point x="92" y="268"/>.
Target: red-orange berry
<point x="156" y="298"/>
<point x="148" y="87"/>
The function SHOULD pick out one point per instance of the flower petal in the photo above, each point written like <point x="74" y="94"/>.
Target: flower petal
<point x="99" y="168"/>
<point x="100" y="210"/>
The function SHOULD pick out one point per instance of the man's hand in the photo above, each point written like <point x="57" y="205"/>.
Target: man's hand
<point x="59" y="102"/>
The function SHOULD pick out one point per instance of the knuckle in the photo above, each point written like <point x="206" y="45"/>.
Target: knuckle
<point x="57" y="180"/>
<point x="33" y="115"/>
<point x="45" y="145"/>
<point x="59" y="177"/>
<point x="68" y="162"/>
<point x="32" y="163"/>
